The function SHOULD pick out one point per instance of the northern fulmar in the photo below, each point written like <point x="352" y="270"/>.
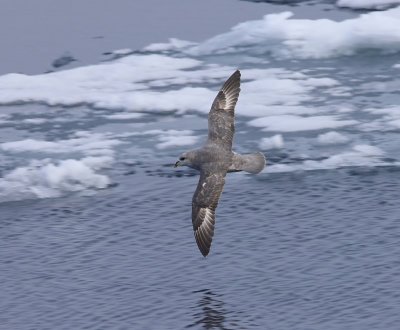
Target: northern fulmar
<point x="215" y="159"/>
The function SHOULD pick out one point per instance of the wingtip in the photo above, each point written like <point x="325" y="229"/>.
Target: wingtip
<point x="205" y="254"/>
<point x="237" y="73"/>
<point x="234" y="77"/>
<point x="203" y="246"/>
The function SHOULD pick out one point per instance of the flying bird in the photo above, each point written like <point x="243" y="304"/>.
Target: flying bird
<point x="215" y="159"/>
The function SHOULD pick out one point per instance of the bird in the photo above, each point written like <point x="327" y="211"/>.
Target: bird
<point x="215" y="159"/>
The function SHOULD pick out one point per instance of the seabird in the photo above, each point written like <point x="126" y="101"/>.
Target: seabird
<point x="215" y="159"/>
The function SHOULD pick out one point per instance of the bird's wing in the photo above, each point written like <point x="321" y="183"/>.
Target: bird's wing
<point x="221" y="119"/>
<point x="205" y="201"/>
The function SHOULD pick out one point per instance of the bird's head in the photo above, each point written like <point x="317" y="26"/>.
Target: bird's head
<point x="185" y="159"/>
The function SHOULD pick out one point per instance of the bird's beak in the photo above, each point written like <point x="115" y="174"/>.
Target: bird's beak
<point x="177" y="163"/>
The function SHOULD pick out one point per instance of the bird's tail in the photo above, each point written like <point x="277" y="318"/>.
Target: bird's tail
<point x="252" y="163"/>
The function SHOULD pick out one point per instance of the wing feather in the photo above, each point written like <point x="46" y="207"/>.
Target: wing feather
<point x="205" y="201"/>
<point x="221" y="119"/>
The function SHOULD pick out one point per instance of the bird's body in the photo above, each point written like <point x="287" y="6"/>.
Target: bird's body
<point x="211" y="158"/>
<point x="215" y="159"/>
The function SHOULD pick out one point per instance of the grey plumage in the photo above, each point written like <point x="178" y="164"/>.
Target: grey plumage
<point x="252" y="163"/>
<point x="215" y="159"/>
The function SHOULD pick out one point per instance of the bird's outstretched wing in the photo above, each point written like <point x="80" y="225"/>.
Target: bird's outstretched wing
<point x="221" y="119"/>
<point x="205" y="201"/>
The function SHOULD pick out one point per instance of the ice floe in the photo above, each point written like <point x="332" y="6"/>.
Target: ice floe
<point x="84" y="142"/>
<point x="142" y="83"/>
<point x="46" y="178"/>
<point x="172" y="44"/>
<point x="295" y="81"/>
<point x="389" y="119"/>
<point x="284" y="36"/>
<point x="273" y="142"/>
<point x="293" y="123"/>
<point x="359" y="155"/>
<point x="332" y="138"/>
<point x="172" y="138"/>
<point x="367" y="4"/>
<point x="34" y="121"/>
<point x="127" y="83"/>
<point x="124" y="116"/>
<point x="122" y="51"/>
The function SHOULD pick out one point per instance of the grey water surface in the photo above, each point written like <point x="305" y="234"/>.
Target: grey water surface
<point x="294" y="251"/>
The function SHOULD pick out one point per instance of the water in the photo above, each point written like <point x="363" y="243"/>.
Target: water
<point x="95" y="229"/>
<point x="296" y="251"/>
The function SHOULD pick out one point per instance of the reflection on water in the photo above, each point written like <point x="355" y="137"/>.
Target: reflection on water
<point x="209" y="311"/>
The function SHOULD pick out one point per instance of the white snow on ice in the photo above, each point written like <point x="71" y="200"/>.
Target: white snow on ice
<point x="46" y="178"/>
<point x="121" y="84"/>
<point x="389" y="119"/>
<point x="34" y="121"/>
<point x="124" y="116"/>
<point x="172" y="44"/>
<point x="84" y="142"/>
<point x="292" y="123"/>
<point x="172" y="138"/>
<point x="273" y="142"/>
<point x="122" y="51"/>
<point x="332" y="138"/>
<point x="286" y="37"/>
<point x="129" y="84"/>
<point x="367" y="4"/>
<point x="360" y="155"/>
<point x="178" y="80"/>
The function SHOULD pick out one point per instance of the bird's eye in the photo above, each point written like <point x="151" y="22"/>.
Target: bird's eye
<point x="182" y="158"/>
